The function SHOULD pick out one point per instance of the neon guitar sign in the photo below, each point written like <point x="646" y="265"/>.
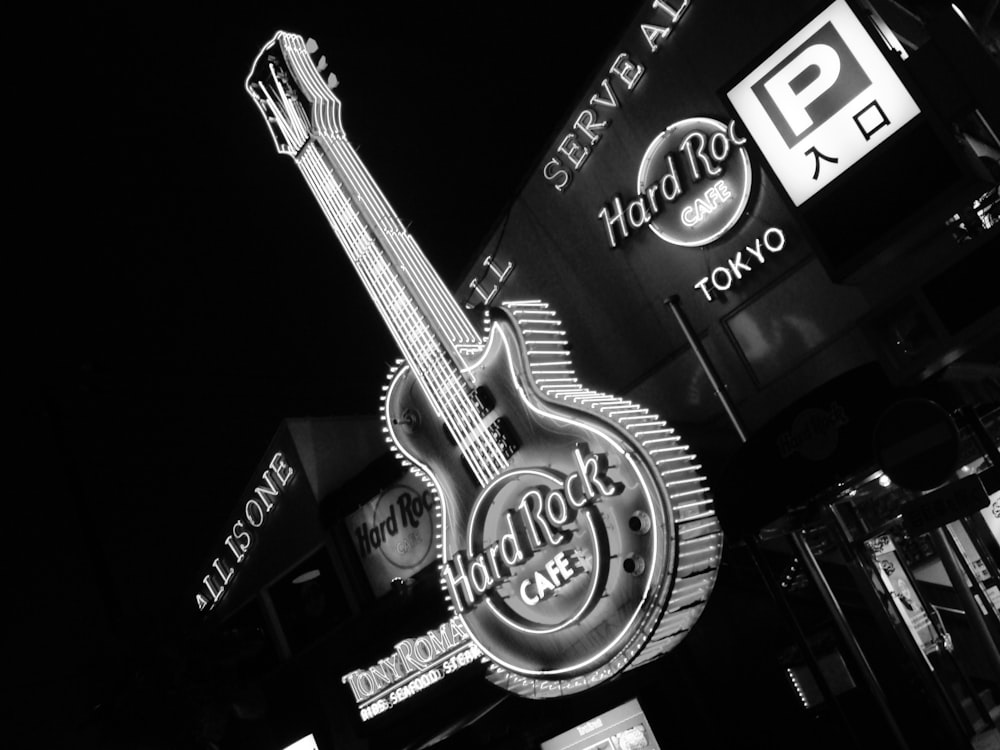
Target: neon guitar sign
<point x="576" y="537"/>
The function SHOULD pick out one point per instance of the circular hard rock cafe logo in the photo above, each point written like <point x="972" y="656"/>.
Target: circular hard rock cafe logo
<point x="693" y="182"/>
<point x="401" y="526"/>
<point x="563" y="569"/>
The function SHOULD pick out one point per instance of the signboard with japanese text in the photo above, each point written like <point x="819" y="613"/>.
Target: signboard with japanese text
<point x="652" y="188"/>
<point x="822" y="101"/>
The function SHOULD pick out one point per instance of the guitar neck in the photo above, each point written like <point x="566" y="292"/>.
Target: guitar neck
<point x="395" y="271"/>
<point x="429" y="326"/>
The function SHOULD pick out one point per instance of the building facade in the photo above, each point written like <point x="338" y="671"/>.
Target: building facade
<point x="772" y="224"/>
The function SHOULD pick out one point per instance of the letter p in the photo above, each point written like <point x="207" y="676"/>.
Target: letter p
<point x="812" y="84"/>
<point x="793" y="104"/>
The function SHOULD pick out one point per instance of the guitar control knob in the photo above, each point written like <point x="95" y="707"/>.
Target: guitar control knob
<point x="640" y="522"/>
<point x="634" y="565"/>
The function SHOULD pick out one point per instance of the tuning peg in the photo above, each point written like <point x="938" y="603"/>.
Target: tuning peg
<point x="332" y="81"/>
<point x="321" y="65"/>
<point x="311" y="45"/>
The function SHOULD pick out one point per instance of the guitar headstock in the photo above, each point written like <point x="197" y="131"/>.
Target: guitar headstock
<point x="289" y="90"/>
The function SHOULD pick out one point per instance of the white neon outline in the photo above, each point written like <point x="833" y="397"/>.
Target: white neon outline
<point x="407" y="679"/>
<point x="488" y="488"/>
<point x="588" y="599"/>
<point x="440" y="507"/>
<point x="327" y="120"/>
<point x="498" y="333"/>
<point x="643" y="174"/>
<point x="392" y="270"/>
<point x="357" y="225"/>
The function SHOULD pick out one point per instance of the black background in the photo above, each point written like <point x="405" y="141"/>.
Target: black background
<point x="175" y="292"/>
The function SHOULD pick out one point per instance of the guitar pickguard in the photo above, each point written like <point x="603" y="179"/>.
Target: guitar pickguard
<point x="594" y="549"/>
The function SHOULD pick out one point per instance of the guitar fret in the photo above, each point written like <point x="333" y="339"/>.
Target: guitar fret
<point x="439" y="300"/>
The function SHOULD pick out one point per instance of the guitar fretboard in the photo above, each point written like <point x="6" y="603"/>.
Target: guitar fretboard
<point x="421" y="347"/>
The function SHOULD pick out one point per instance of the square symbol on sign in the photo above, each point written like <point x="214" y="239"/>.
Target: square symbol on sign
<point x="871" y="119"/>
<point x="811" y="85"/>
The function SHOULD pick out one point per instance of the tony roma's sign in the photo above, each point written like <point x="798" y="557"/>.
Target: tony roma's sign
<point x="414" y="664"/>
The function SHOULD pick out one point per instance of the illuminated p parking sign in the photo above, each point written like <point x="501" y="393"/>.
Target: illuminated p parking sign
<point x="822" y="101"/>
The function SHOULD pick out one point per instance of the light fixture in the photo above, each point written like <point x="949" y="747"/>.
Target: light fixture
<point x="309" y="575"/>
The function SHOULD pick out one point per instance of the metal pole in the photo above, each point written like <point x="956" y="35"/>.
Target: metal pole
<point x="848" y="635"/>
<point x="674" y="303"/>
<point x="954" y="569"/>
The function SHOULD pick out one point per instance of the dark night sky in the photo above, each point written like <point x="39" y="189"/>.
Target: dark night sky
<point x="180" y="292"/>
<point x="177" y="292"/>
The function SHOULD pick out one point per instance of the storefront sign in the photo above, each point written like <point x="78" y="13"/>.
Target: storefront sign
<point x="693" y="186"/>
<point x="722" y="278"/>
<point x="824" y="100"/>
<point x="621" y="728"/>
<point x="692" y="189"/>
<point x="415" y="664"/>
<point x="814" y="433"/>
<point x="393" y="534"/>
<point x="576" y="146"/>
<point x="238" y="544"/>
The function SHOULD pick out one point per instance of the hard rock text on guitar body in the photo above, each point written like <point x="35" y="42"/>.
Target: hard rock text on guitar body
<point x="542" y="518"/>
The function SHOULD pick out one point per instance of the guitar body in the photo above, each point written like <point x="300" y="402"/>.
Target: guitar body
<point x="597" y="540"/>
